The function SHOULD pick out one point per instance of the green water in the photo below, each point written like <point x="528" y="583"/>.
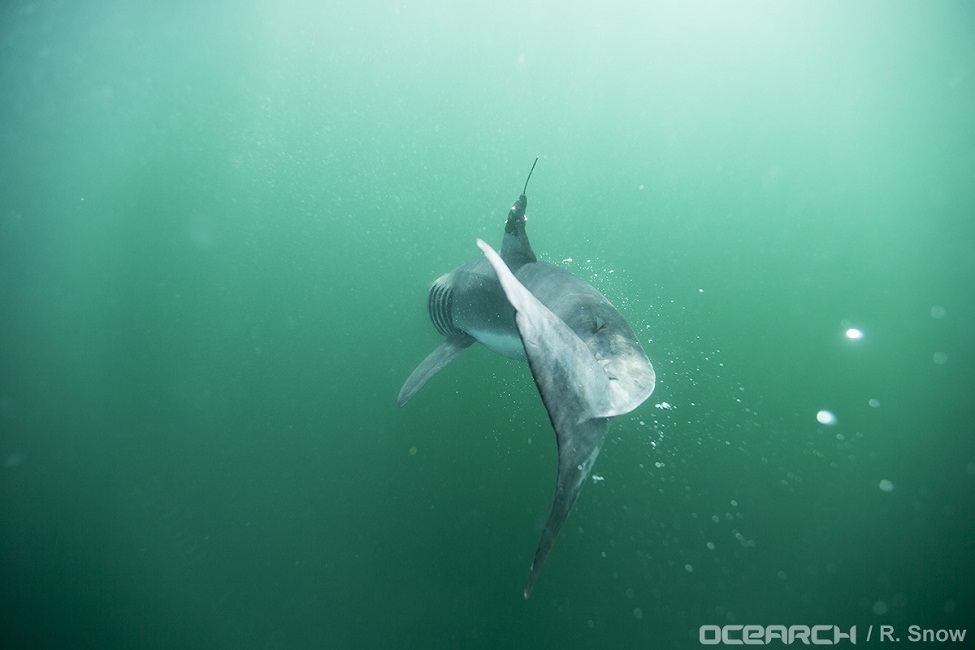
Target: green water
<point x="217" y="225"/>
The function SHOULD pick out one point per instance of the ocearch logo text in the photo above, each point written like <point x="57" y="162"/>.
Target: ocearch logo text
<point x="764" y="634"/>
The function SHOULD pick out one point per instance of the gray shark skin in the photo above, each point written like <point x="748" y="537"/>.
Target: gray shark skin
<point x="587" y="363"/>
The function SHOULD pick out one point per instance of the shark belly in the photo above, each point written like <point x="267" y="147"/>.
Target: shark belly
<point x="507" y="344"/>
<point x="479" y="308"/>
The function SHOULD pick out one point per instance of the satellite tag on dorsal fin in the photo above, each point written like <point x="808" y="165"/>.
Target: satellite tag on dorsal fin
<point x="516" y="250"/>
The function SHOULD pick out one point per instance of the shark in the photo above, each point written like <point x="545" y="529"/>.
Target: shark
<point x="587" y="363"/>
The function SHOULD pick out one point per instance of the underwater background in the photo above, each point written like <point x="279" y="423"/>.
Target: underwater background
<point x="218" y="221"/>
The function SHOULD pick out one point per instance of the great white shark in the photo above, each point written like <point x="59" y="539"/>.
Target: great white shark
<point x="586" y="361"/>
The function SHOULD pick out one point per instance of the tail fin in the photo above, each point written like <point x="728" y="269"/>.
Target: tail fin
<point x="576" y="393"/>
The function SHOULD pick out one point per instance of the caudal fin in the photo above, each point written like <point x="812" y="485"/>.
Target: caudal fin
<point x="576" y="393"/>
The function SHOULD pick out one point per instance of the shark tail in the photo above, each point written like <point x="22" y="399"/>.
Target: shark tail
<point x="576" y="393"/>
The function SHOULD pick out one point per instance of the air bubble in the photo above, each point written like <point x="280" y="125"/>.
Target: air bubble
<point x="826" y="417"/>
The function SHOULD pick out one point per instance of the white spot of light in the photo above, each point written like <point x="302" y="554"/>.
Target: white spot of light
<point x="826" y="417"/>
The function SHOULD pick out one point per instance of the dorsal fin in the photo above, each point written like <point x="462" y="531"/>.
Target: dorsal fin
<point x="516" y="250"/>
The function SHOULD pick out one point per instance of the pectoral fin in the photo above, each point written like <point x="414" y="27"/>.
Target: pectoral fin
<point x="440" y="357"/>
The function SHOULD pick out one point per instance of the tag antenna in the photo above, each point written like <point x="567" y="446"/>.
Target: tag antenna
<point x="530" y="175"/>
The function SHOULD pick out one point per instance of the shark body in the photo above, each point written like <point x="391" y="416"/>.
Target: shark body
<point x="586" y="361"/>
